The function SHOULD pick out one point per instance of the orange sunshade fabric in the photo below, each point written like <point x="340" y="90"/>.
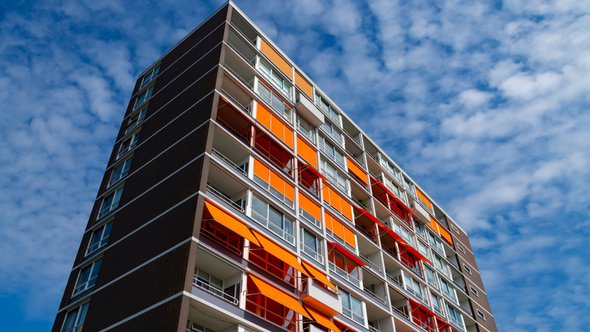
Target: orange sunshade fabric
<point x="318" y="275"/>
<point x="307" y="152"/>
<point x="279" y="252"/>
<point x="356" y="170"/>
<point x="440" y="230"/>
<point x="278" y="295"/>
<point x="275" y="181"/>
<point x="423" y="198"/>
<point x="309" y="206"/>
<point x="303" y="84"/>
<point x="322" y="320"/>
<point x="337" y="201"/>
<point x="274" y="124"/>
<point x="231" y="222"/>
<point x="275" y="58"/>
<point x="338" y="229"/>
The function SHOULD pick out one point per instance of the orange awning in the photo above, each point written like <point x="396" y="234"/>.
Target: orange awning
<point x="318" y="275"/>
<point x="356" y="170"/>
<point x="278" y="295"/>
<point x="230" y="222"/>
<point x="280" y="253"/>
<point x="322" y="320"/>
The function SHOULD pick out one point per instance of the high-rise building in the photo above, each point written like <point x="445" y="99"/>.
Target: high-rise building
<point x="240" y="197"/>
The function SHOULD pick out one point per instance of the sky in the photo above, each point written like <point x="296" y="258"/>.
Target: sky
<point x="486" y="104"/>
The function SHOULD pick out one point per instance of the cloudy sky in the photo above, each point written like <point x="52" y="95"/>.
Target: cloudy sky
<point x="485" y="103"/>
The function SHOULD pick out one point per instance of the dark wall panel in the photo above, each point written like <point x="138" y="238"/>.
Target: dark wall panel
<point x="139" y="290"/>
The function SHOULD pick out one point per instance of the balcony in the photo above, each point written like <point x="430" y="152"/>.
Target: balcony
<point x="239" y="67"/>
<point x="244" y="48"/>
<point x="374" y="287"/>
<point x="234" y="122"/>
<point x="420" y="212"/>
<point x="216" y="278"/>
<point x="237" y="95"/>
<point x="226" y="188"/>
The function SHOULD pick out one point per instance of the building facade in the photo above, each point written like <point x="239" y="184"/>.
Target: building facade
<point x="239" y="197"/>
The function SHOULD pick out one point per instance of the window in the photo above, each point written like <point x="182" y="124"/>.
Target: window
<point x="436" y="304"/>
<point x="275" y="77"/>
<point x="473" y="291"/>
<point x="436" y="243"/>
<point x="150" y="76"/>
<point x="143" y="97"/>
<point x="275" y="102"/>
<point x="455" y="229"/>
<point x="75" y="319"/>
<point x="110" y="202"/>
<point x="311" y="245"/>
<point x="409" y="187"/>
<point x="87" y="277"/>
<point x="454" y="316"/>
<point x="331" y="151"/>
<point x="99" y="238"/>
<point x="415" y="288"/>
<point x="404" y="233"/>
<point x="431" y="277"/>
<point x="421" y="230"/>
<point x="333" y="132"/>
<point x="480" y="314"/>
<point x="208" y="282"/>
<point x="329" y="110"/>
<point x="194" y="327"/>
<point x="135" y="120"/>
<point x="460" y="247"/>
<point x="423" y="249"/>
<point x="306" y="129"/>
<point x="119" y="172"/>
<point x="352" y="307"/>
<point x="334" y="176"/>
<point x="128" y="144"/>
<point x="448" y="290"/>
<point x="467" y="269"/>
<point x="442" y="266"/>
<point x="272" y="219"/>
<point x="394" y="189"/>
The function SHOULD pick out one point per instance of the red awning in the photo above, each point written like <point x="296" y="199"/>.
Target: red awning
<point x="388" y="192"/>
<point x="347" y="253"/>
<point x="423" y="307"/>
<point x="430" y="312"/>
<point x="311" y="168"/>
<point x="393" y="234"/>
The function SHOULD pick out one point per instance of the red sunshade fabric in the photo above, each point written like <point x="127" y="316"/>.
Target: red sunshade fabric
<point x="423" y="307"/>
<point x="382" y="186"/>
<point x="347" y="253"/>
<point x="306" y="165"/>
<point x="394" y="235"/>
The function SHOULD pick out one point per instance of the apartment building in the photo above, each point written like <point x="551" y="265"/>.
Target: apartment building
<point x="239" y="197"/>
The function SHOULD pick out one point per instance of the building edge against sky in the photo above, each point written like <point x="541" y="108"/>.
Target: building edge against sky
<point x="239" y="197"/>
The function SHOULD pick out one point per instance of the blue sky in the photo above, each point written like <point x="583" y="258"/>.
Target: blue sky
<point x="486" y="104"/>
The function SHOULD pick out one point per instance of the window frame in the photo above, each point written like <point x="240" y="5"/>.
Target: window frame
<point x="124" y="148"/>
<point x="80" y="316"/>
<point x="275" y="77"/>
<point x="286" y="229"/>
<point x="135" y="119"/>
<point x="124" y="168"/>
<point x="93" y="271"/>
<point x="150" y="76"/>
<point x="103" y="240"/>
<point x="317" y="253"/>
<point x="113" y="205"/>
<point x="143" y="97"/>
<point x="270" y="98"/>
<point x="334" y="175"/>
<point x="481" y="315"/>
<point x="347" y="297"/>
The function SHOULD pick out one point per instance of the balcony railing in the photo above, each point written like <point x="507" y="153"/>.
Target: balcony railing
<point x="226" y="199"/>
<point x="312" y="253"/>
<point x="284" y="234"/>
<point x="242" y="169"/>
<point x="374" y="296"/>
<point x="345" y="275"/>
<point x="214" y="290"/>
